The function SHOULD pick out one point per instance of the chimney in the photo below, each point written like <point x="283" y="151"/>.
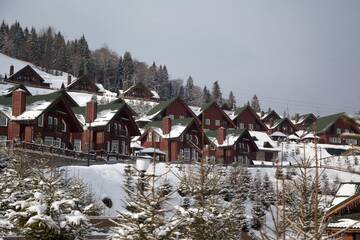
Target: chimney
<point x="91" y="110"/>
<point x="221" y="134"/>
<point x="271" y="122"/>
<point x="166" y="125"/>
<point x="11" y="70"/>
<point x="18" y="102"/>
<point x="297" y="117"/>
<point x="68" y="80"/>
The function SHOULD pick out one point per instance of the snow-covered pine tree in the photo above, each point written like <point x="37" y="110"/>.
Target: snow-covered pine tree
<point x="268" y="189"/>
<point x="255" y="104"/>
<point x="216" y="94"/>
<point x="207" y="215"/>
<point x="128" y="70"/>
<point x="258" y="213"/>
<point x="46" y="207"/>
<point x="206" y="95"/>
<point x="246" y="177"/>
<point x="147" y="216"/>
<point x="256" y="186"/>
<point x="232" y="101"/>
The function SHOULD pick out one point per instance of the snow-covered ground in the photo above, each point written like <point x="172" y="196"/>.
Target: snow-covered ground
<point x="107" y="180"/>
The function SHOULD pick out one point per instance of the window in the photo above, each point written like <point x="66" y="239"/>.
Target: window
<point x="171" y="116"/>
<point x="347" y="130"/>
<point x="3" y="121"/>
<point x="181" y="138"/>
<point x="63" y="129"/>
<point x="187" y="137"/>
<point x="217" y="123"/>
<point x="50" y="122"/>
<point x="41" y="120"/>
<point x="156" y="138"/>
<point x="77" y="145"/>
<point x="241" y="125"/>
<point x="123" y="147"/>
<point x="126" y="130"/>
<point x="194" y="154"/>
<point x="55" y="123"/>
<point x="196" y="140"/>
<point x="338" y="131"/>
<point x="351" y="141"/>
<point x="187" y="154"/>
<point x="251" y="126"/>
<point x="207" y="121"/>
<point x="181" y="117"/>
<point x="115" y="129"/>
<point x="108" y="127"/>
<point x="108" y="146"/>
<point x="149" y="136"/>
<point x="48" y="141"/>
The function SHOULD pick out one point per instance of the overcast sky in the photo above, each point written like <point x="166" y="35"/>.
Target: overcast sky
<point x="298" y="55"/>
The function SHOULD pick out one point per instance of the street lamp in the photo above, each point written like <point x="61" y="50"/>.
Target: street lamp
<point x="142" y="164"/>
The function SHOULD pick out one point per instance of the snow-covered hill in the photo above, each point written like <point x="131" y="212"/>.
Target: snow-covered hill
<point x="6" y="62"/>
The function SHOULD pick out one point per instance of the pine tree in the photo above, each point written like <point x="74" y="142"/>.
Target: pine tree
<point x="189" y="91"/>
<point x="232" y="101"/>
<point x="255" y="104"/>
<point x="119" y="75"/>
<point x="128" y="70"/>
<point x="216" y="94"/>
<point x="206" y="95"/>
<point x="258" y="213"/>
<point x="268" y="189"/>
<point x="256" y="186"/>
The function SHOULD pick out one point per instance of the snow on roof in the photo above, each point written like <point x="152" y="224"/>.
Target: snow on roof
<point x="103" y="117"/>
<point x="310" y="136"/>
<point x="82" y="98"/>
<point x="278" y="134"/>
<point x="345" y="191"/>
<point x="293" y="137"/>
<point x="263" y="141"/>
<point x="151" y="150"/>
<point x="196" y="110"/>
<point x="344" y="223"/>
<point x="231" y="114"/>
<point x="33" y="110"/>
<point x="136" y="145"/>
<point x="155" y="94"/>
<point x="6" y="62"/>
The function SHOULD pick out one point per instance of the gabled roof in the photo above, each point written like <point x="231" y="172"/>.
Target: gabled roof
<point x="141" y="85"/>
<point x="105" y="113"/>
<point x="281" y="121"/>
<point x="178" y="127"/>
<point x="11" y="88"/>
<point x="84" y="80"/>
<point x="324" y="123"/>
<point x="163" y="105"/>
<point x="303" y="117"/>
<point x="35" y="105"/>
<point x="268" y="114"/>
<point x="233" y="135"/>
<point x="28" y="67"/>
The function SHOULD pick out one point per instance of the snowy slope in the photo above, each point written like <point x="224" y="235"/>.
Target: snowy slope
<point x="6" y="62"/>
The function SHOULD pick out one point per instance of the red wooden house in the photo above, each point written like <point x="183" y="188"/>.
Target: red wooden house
<point x="180" y="139"/>
<point x="343" y="216"/>
<point x="174" y="108"/>
<point x="305" y="121"/>
<point x="108" y="128"/>
<point x="27" y="76"/>
<point x="46" y="119"/>
<point x="338" y="129"/>
<point x="83" y="84"/>
<point x="247" y="118"/>
<point x="231" y="145"/>
<point x="212" y="116"/>
<point x="141" y="92"/>
<point x="283" y="125"/>
<point x="269" y="118"/>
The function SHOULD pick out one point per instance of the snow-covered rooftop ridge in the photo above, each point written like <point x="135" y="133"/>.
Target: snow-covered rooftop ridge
<point x="55" y="81"/>
<point x="344" y="192"/>
<point x="263" y="141"/>
<point x="82" y="98"/>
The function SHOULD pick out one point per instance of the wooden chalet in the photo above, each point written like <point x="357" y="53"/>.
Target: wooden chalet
<point x="107" y="128"/>
<point x="305" y="121"/>
<point x="141" y="92"/>
<point x="44" y="119"/>
<point x="231" y="145"/>
<point x="27" y="76"/>
<point x="343" y="216"/>
<point x="283" y="125"/>
<point x="269" y="118"/>
<point x="338" y="129"/>
<point x="268" y="150"/>
<point x="212" y="116"/>
<point x="180" y="139"/>
<point x="84" y="84"/>
<point x="246" y="117"/>
<point x="174" y="108"/>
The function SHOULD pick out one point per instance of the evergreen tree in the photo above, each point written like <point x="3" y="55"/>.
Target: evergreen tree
<point x="128" y="68"/>
<point x="256" y="186"/>
<point x="189" y="91"/>
<point x="216" y="94"/>
<point x="119" y="75"/>
<point x="268" y="192"/>
<point x="232" y="101"/>
<point x="206" y="95"/>
<point x="258" y="213"/>
<point x="255" y="104"/>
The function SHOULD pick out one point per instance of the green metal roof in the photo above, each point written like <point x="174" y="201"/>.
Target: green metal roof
<point x="323" y="123"/>
<point x="109" y="106"/>
<point x="229" y="131"/>
<point x="7" y="100"/>
<point x="179" y="121"/>
<point x="161" y="106"/>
